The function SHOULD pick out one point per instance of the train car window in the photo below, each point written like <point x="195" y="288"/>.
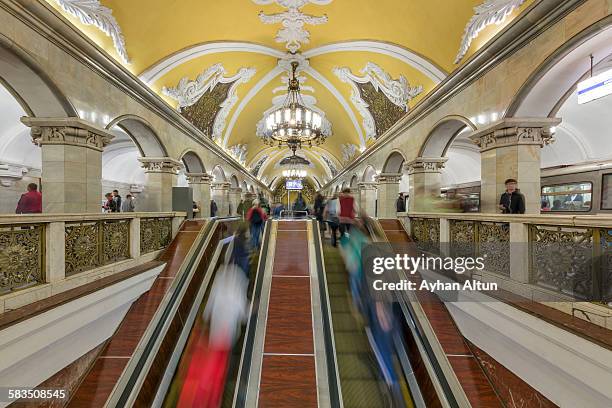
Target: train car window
<point x="606" y="192"/>
<point x="570" y="197"/>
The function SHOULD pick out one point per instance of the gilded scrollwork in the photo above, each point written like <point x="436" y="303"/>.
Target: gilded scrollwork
<point x="606" y="264"/>
<point x="82" y="247"/>
<point x="494" y="246"/>
<point x="155" y="234"/>
<point x="21" y="256"/>
<point x="462" y="238"/>
<point x="115" y="241"/>
<point x="426" y="233"/>
<point x="562" y="259"/>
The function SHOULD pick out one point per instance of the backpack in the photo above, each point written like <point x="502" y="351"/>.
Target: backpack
<point x="256" y="217"/>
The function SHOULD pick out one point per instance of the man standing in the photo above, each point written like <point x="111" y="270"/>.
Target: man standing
<point x="240" y="209"/>
<point x="256" y="217"/>
<point x="347" y="211"/>
<point x="30" y="202"/>
<point x="213" y="208"/>
<point x="512" y="201"/>
<point x="400" y="204"/>
<point x="117" y="200"/>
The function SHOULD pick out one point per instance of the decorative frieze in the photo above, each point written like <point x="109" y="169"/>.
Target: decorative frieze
<point x="221" y="186"/>
<point x="515" y="131"/>
<point x="367" y="185"/>
<point x="10" y="173"/>
<point x="160" y="165"/>
<point x="426" y="165"/>
<point x="388" y="178"/>
<point x="67" y="131"/>
<point x="198" y="178"/>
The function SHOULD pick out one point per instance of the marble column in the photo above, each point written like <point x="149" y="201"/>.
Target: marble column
<point x="71" y="163"/>
<point x="424" y="175"/>
<point x="161" y="175"/>
<point x="220" y="193"/>
<point x="235" y="194"/>
<point x="200" y="184"/>
<point x="367" y="197"/>
<point x="510" y="148"/>
<point x="388" y="190"/>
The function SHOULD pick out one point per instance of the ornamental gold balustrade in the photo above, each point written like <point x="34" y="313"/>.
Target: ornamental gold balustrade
<point x="573" y="261"/>
<point x="155" y="234"/>
<point x="91" y="244"/>
<point x="22" y="256"/>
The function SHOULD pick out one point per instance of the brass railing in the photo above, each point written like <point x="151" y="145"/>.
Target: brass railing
<point x="426" y="233"/>
<point x="575" y="261"/>
<point x="155" y="234"/>
<point x="486" y="239"/>
<point x="91" y="244"/>
<point x="22" y="255"/>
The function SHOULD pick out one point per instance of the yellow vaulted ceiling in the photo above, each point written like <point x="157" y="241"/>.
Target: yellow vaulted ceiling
<point x="426" y="31"/>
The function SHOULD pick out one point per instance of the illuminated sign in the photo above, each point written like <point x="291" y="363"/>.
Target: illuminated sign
<point x="595" y="87"/>
<point x="293" y="184"/>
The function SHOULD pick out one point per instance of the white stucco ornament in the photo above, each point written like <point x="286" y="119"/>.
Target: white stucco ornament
<point x="293" y="33"/>
<point x="91" y="12"/>
<point x="239" y="152"/>
<point x="10" y="173"/>
<point x="188" y="91"/>
<point x="488" y="13"/>
<point x="349" y="151"/>
<point x="398" y="91"/>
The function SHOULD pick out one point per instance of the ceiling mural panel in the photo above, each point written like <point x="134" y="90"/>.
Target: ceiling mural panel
<point x="363" y="63"/>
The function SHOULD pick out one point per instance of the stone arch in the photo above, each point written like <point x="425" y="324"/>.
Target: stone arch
<point x="394" y="162"/>
<point x="192" y="162"/>
<point x="218" y="174"/>
<point x="354" y="181"/>
<point x="234" y="181"/>
<point x="368" y="174"/>
<point x="245" y="186"/>
<point x="443" y="134"/>
<point x="548" y="86"/>
<point x="35" y="91"/>
<point x="142" y="134"/>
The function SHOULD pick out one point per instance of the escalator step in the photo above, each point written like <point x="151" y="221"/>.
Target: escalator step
<point x="337" y="289"/>
<point x="355" y="366"/>
<point x="344" y="322"/>
<point x="351" y="342"/>
<point x="362" y="393"/>
<point x="339" y="304"/>
<point x="336" y="278"/>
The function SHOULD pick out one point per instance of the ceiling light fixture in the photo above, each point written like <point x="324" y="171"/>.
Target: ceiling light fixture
<point x="294" y="124"/>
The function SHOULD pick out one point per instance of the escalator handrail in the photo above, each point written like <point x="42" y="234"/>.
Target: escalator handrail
<point x="420" y="336"/>
<point x="244" y="371"/>
<point x="335" y="393"/>
<point x="132" y="385"/>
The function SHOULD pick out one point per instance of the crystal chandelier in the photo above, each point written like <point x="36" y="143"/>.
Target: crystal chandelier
<point x="293" y="124"/>
<point x="294" y="174"/>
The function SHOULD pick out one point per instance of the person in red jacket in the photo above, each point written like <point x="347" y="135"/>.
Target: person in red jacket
<point x="256" y="217"/>
<point x="347" y="210"/>
<point x="30" y="202"/>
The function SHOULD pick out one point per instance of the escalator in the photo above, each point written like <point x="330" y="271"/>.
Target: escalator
<point x="361" y="383"/>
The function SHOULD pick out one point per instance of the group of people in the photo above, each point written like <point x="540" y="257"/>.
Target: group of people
<point x="114" y="203"/>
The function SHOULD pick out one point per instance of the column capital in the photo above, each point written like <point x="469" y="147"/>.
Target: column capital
<point x="198" y="178"/>
<point x="515" y="131"/>
<point x="67" y="131"/>
<point x="236" y="190"/>
<point x="222" y="185"/>
<point x="389" y="178"/>
<point x="160" y="164"/>
<point x="426" y="165"/>
<point x="367" y="185"/>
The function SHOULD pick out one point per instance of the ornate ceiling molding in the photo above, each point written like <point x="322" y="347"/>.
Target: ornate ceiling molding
<point x="238" y="152"/>
<point x="189" y="92"/>
<point x="349" y="151"/>
<point x="293" y="33"/>
<point x="161" y="68"/>
<point x="402" y="54"/>
<point x="91" y="12"/>
<point x="488" y="13"/>
<point x="397" y="91"/>
<point x="255" y="169"/>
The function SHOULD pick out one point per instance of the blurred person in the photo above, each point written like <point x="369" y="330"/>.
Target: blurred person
<point x="213" y="208"/>
<point x="400" y="204"/>
<point x="347" y="211"/>
<point x="299" y="203"/>
<point x="225" y="311"/>
<point x="240" y="252"/>
<point x="331" y="217"/>
<point x="241" y="210"/>
<point x="117" y="199"/>
<point x="128" y="204"/>
<point x="512" y="201"/>
<point x="110" y="206"/>
<point x="319" y="207"/>
<point x="557" y="205"/>
<point x="30" y="202"/>
<point x="278" y="209"/>
<point x="544" y="206"/>
<point x="256" y="218"/>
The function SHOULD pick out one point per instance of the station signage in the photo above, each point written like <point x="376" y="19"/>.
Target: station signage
<point x="595" y="87"/>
